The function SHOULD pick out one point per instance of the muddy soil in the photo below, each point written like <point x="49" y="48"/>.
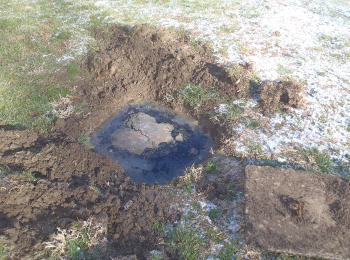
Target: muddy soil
<point x="72" y="182"/>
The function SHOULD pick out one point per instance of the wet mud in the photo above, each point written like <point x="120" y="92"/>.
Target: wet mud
<point x="152" y="143"/>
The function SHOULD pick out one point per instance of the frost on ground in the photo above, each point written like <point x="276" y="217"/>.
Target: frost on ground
<point x="306" y="40"/>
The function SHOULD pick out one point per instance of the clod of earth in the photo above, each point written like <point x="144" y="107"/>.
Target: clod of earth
<point x="298" y="212"/>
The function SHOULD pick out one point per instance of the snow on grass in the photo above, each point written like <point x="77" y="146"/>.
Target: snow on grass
<point x="305" y="40"/>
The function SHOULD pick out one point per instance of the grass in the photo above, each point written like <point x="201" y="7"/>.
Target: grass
<point x="4" y="170"/>
<point x="98" y="190"/>
<point x="214" y="235"/>
<point x="34" y="45"/>
<point x="156" y="257"/>
<point x="253" y="124"/>
<point x="233" y="114"/>
<point x="227" y="252"/>
<point x="196" y="206"/>
<point x="85" y="139"/>
<point x="86" y="241"/>
<point x="4" y="254"/>
<point x="192" y="174"/>
<point x="195" y="44"/>
<point x="213" y="214"/>
<point x="196" y="97"/>
<point x="185" y="240"/>
<point x="211" y="167"/>
<point x="319" y="161"/>
<point x="235" y="70"/>
<point x="283" y="70"/>
<point x="28" y="175"/>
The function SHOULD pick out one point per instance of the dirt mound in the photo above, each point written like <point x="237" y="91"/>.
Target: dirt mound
<point x="298" y="212"/>
<point x="71" y="183"/>
<point x="145" y="64"/>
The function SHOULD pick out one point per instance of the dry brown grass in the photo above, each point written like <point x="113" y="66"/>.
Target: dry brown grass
<point x="87" y="239"/>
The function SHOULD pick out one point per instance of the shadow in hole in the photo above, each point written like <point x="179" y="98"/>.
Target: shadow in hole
<point x="293" y="206"/>
<point x="220" y="73"/>
<point x="12" y="127"/>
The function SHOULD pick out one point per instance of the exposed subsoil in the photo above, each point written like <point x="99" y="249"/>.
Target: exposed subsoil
<point x="128" y="65"/>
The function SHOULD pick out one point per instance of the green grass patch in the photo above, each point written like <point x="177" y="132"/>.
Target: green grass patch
<point x="187" y="187"/>
<point x="185" y="240"/>
<point x="85" y="139"/>
<point x="253" y="124"/>
<point x="196" y="97"/>
<point x="4" y="254"/>
<point x="4" y="170"/>
<point x="29" y="175"/>
<point x="196" y="206"/>
<point x="211" y="167"/>
<point x="283" y="70"/>
<point x="236" y="70"/>
<point x="213" y="214"/>
<point x="97" y="189"/>
<point x="233" y="114"/>
<point x="34" y="45"/>
<point x="319" y="160"/>
<point x="214" y="235"/>
<point x="227" y="252"/>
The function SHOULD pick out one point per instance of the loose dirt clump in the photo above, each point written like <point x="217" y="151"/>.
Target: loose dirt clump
<point x="297" y="212"/>
<point x="282" y="95"/>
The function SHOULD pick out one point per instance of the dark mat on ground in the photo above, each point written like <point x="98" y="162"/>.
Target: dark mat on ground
<point x="298" y="212"/>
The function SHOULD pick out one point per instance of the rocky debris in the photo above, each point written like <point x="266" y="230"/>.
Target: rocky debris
<point x="297" y="212"/>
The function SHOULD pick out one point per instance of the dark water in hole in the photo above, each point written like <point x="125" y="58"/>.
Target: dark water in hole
<point x="152" y="143"/>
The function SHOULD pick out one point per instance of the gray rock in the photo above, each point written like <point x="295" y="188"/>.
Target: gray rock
<point x="142" y="132"/>
<point x="193" y="151"/>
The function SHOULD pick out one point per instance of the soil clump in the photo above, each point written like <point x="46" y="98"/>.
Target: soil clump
<point x="297" y="212"/>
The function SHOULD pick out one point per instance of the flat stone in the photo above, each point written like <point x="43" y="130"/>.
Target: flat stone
<point x="142" y="132"/>
<point x="193" y="151"/>
<point x="14" y="146"/>
<point x="179" y="137"/>
<point x="298" y="212"/>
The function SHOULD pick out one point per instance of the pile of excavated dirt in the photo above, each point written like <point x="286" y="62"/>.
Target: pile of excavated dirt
<point x="72" y="182"/>
<point x="66" y="173"/>
<point x="127" y="66"/>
